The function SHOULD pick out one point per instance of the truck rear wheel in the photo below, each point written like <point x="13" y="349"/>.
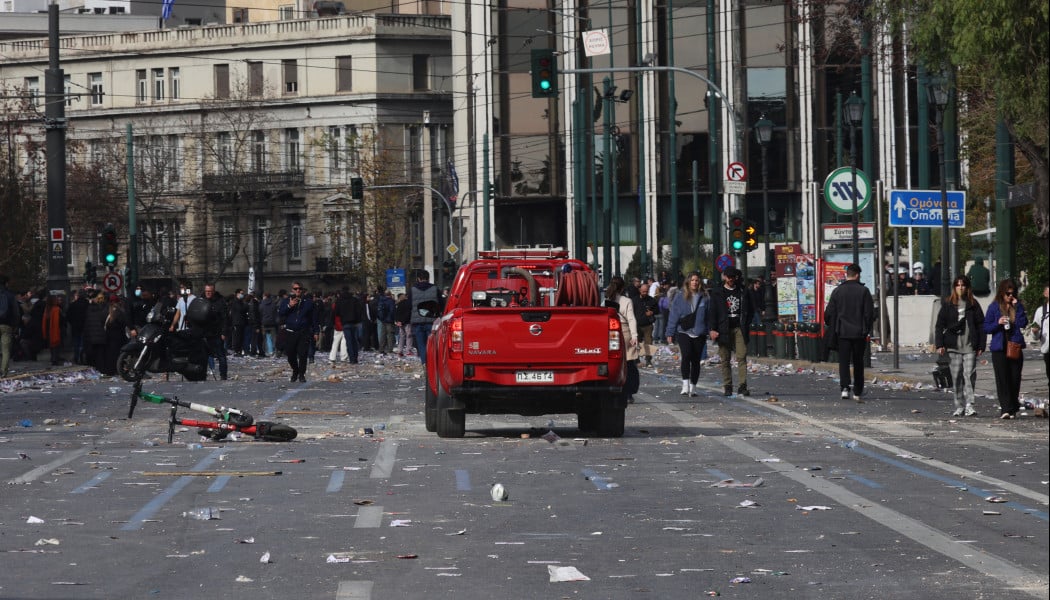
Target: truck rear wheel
<point x="587" y="419"/>
<point x="451" y="423"/>
<point x="429" y="408"/>
<point x="611" y="421"/>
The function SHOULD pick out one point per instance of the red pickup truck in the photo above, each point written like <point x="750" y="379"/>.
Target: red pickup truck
<point x="525" y="331"/>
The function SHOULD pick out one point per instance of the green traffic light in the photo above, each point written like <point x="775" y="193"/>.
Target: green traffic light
<point x="111" y="258"/>
<point x="545" y="84"/>
<point x="738" y="245"/>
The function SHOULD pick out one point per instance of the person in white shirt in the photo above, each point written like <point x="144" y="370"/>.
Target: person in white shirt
<point x="1040" y="322"/>
<point x="186" y="297"/>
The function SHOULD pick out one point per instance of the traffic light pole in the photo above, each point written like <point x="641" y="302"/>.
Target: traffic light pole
<point x="717" y="91"/>
<point x="55" y="142"/>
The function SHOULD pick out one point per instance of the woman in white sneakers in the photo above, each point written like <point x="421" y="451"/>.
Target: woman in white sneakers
<point x="687" y="323"/>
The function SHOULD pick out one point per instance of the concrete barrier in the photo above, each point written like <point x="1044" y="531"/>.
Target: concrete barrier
<point x="917" y="315"/>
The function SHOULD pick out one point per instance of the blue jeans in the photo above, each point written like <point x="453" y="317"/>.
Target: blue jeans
<point x="353" y="344"/>
<point x="421" y="331"/>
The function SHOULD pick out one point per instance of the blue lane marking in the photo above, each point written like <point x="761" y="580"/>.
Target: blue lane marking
<point x="720" y="475"/>
<point x="335" y="482"/>
<point x="462" y="480"/>
<point x="269" y="412"/>
<point x="962" y="485"/>
<point x="599" y="482"/>
<point x="865" y="481"/>
<point x="219" y="483"/>
<point x="146" y="512"/>
<point x="92" y="483"/>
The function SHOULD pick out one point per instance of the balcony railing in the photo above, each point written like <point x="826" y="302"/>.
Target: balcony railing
<point x="251" y="182"/>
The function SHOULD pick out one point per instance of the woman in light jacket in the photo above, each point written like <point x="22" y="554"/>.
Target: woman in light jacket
<point x="691" y="304"/>
<point x="616" y="298"/>
<point x="1006" y="320"/>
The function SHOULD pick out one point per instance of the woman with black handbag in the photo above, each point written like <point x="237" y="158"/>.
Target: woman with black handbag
<point x="959" y="334"/>
<point x="687" y="321"/>
<point x="1006" y="321"/>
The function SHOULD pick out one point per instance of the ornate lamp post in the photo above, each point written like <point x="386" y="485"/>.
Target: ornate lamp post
<point x="938" y="93"/>
<point x="855" y="114"/>
<point x="763" y="135"/>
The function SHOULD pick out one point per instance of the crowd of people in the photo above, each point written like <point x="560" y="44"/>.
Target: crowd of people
<point x="94" y="325"/>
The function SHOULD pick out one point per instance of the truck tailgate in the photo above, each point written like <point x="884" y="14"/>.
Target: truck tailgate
<point x="527" y="337"/>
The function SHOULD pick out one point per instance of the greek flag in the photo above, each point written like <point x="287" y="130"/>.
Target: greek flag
<point x="453" y="184"/>
<point x="165" y="11"/>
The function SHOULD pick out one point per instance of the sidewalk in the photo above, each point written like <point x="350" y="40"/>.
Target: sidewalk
<point x="917" y="365"/>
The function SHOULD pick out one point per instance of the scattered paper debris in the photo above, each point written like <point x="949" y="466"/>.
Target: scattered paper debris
<point x="561" y="574"/>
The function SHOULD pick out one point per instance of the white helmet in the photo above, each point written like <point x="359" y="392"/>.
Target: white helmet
<point x="917" y="266"/>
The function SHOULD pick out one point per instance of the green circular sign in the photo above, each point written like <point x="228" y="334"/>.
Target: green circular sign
<point x="839" y="190"/>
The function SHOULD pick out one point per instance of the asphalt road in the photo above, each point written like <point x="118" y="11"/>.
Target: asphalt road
<point x="827" y="499"/>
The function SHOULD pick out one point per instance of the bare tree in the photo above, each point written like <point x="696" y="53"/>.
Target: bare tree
<point x="22" y="189"/>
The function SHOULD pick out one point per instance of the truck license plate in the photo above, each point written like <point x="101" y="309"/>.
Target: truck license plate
<point x="534" y="376"/>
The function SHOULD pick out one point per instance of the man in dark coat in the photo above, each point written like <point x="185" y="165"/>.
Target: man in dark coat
<point x="729" y="322"/>
<point x="77" y="317"/>
<point x="300" y="325"/>
<point x="215" y="327"/>
<point x="849" y="315"/>
<point x="351" y="311"/>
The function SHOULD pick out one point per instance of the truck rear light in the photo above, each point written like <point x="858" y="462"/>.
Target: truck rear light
<point x="614" y="334"/>
<point x="456" y="335"/>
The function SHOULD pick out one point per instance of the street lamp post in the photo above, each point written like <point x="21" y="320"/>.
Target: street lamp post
<point x="937" y="91"/>
<point x="855" y="113"/>
<point x="763" y="135"/>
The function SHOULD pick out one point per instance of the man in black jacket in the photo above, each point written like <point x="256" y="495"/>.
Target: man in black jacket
<point x="351" y="311"/>
<point x="214" y="328"/>
<point x="849" y="315"/>
<point x="729" y="322"/>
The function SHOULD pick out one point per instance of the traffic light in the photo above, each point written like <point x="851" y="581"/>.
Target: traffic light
<point x="544" y="73"/>
<point x="109" y="245"/>
<point x="357" y="188"/>
<point x="750" y="243"/>
<point x="737" y="235"/>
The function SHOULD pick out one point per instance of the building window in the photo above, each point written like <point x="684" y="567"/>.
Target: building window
<point x="343" y="74"/>
<point x="226" y="238"/>
<point x="33" y="90"/>
<point x="291" y="150"/>
<point x="295" y="238"/>
<point x="176" y="84"/>
<point x="222" y="82"/>
<point x="68" y="87"/>
<point x="261" y="241"/>
<point x="141" y="86"/>
<point x="240" y="15"/>
<point x="290" y="68"/>
<point x="414" y="162"/>
<point x="255" y="78"/>
<point x="286" y="12"/>
<point x="158" y="85"/>
<point x="258" y="151"/>
<point x="95" y="153"/>
<point x="335" y="159"/>
<point x="172" y="159"/>
<point x="420" y="72"/>
<point x="353" y="148"/>
<point x="224" y="152"/>
<point x="97" y="91"/>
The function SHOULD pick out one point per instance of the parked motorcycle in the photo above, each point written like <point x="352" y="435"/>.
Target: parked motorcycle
<point x="157" y="350"/>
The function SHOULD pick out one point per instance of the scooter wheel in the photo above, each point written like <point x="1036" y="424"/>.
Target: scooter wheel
<point x="275" y="432"/>
<point x="125" y="367"/>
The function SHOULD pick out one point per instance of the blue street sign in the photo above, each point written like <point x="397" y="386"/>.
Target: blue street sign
<point x="922" y="208"/>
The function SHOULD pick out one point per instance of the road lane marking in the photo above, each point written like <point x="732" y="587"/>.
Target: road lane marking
<point x="354" y="590"/>
<point x="219" y="483"/>
<point x="463" y="480"/>
<point x="1013" y="488"/>
<point x="272" y="410"/>
<point x="369" y="517"/>
<point x="384" y="462"/>
<point x="1013" y="577"/>
<point x="335" y="481"/>
<point x="51" y="466"/>
<point x="146" y="512"/>
<point x="90" y="485"/>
